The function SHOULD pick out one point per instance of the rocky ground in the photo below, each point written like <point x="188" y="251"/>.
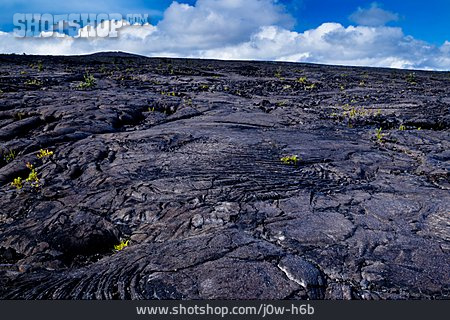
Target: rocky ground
<point x="229" y="180"/>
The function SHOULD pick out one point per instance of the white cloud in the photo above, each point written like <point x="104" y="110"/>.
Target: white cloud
<point x="374" y="16"/>
<point x="332" y="43"/>
<point x="214" y="22"/>
<point x="211" y="29"/>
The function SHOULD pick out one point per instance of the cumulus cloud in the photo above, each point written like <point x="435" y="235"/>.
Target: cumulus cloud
<point x="211" y="29"/>
<point x="333" y="43"/>
<point x="374" y="16"/>
<point x="214" y="22"/>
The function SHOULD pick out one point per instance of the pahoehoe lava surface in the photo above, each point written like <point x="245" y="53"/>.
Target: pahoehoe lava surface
<point x="182" y="158"/>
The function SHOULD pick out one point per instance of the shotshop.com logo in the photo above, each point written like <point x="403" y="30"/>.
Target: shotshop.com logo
<point x="76" y="25"/>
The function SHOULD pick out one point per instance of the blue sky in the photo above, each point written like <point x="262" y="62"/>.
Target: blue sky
<point x="412" y="34"/>
<point x="426" y="20"/>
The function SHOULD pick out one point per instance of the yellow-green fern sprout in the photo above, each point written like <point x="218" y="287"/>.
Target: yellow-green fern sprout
<point x="379" y="134"/>
<point x="122" y="245"/>
<point x="290" y="159"/>
<point x="17" y="183"/>
<point x="44" y="153"/>
<point x="33" y="178"/>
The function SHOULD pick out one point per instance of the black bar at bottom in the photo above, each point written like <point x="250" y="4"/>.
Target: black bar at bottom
<point x="128" y="310"/>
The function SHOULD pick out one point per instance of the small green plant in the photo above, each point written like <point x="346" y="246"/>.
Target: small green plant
<point x="379" y="135"/>
<point x="33" y="82"/>
<point x="171" y="94"/>
<point x="352" y="113"/>
<point x="19" y="115"/>
<point x="33" y="178"/>
<point x="151" y="109"/>
<point x="40" y="66"/>
<point x="89" y="82"/>
<point x="278" y="74"/>
<point x="411" y="78"/>
<point x="402" y="128"/>
<point x="122" y="245"/>
<point x="44" y="154"/>
<point x="291" y="160"/>
<point x="171" y="69"/>
<point x="17" y="183"/>
<point x="356" y="112"/>
<point x="10" y="156"/>
<point x="312" y="86"/>
<point x="302" y="80"/>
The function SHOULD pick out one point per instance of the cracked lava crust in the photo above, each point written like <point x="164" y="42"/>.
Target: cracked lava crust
<point x="183" y="159"/>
